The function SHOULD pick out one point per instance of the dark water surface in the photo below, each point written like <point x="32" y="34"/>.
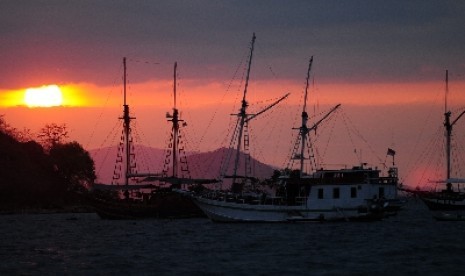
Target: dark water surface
<point x="83" y="244"/>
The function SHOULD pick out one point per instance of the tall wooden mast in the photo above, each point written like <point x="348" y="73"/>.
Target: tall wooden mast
<point x="175" y="119"/>
<point x="175" y="154"/>
<point x="298" y="153"/>
<point x="449" y="125"/>
<point x="127" y="132"/>
<point x="124" y="156"/>
<point x="303" y="127"/>
<point x="241" y="133"/>
<point x="243" y="114"/>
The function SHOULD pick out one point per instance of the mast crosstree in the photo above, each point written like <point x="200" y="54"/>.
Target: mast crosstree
<point x="300" y="145"/>
<point x="241" y="134"/>
<point x="448" y="126"/>
<point x="125" y="147"/>
<point x="176" y="146"/>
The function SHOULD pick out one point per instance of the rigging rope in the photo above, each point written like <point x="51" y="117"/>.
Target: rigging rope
<point x="143" y="61"/>
<point x="344" y="119"/>
<point x="357" y="133"/>
<point x="429" y="155"/>
<point x="145" y="159"/>
<point x="331" y="126"/>
<point x="99" y="117"/>
<point x="427" y="122"/>
<point x="215" y="112"/>
<point x="103" y="161"/>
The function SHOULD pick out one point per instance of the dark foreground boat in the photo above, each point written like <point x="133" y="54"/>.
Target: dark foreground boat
<point x="449" y="216"/>
<point x="162" y="204"/>
<point x="147" y="195"/>
<point x="445" y="200"/>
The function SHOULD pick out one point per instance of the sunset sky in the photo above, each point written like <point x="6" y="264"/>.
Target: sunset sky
<point x="384" y="61"/>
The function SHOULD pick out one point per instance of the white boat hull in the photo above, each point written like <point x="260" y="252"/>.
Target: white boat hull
<point x="222" y="211"/>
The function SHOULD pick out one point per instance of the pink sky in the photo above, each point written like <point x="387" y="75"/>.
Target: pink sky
<point x="402" y="116"/>
<point x="383" y="61"/>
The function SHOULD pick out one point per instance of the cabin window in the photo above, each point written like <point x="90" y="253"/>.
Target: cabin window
<point x="381" y="192"/>
<point x="336" y="193"/>
<point x="353" y="192"/>
<point x="320" y="193"/>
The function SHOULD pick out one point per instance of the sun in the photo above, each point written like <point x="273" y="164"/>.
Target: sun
<point x="44" y="96"/>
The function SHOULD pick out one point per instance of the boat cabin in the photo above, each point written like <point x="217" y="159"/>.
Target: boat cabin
<point x="340" y="187"/>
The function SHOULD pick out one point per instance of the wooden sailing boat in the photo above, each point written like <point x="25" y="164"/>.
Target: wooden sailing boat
<point x="446" y="204"/>
<point x="299" y="197"/>
<point x="153" y="200"/>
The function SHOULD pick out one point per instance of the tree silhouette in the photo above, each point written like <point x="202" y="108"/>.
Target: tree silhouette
<point x="34" y="178"/>
<point x="22" y="136"/>
<point x="52" y="134"/>
<point x="74" y="165"/>
<point x="4" y="126"/>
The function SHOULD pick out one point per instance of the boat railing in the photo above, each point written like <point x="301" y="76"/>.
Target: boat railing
<point x="387" y="180"/>
<point x="258" y="199"/>
<point x="300" y="200"/>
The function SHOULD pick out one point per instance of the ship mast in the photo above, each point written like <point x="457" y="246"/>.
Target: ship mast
<point x="127" y="132"/>
<point x="448" y="125"/>
<point x="304" y="128"/>
<point x="124" y="152"/>
<point x="175" y="154"/>
<point x="242" y="129"/>
<point x="243" y="114"/>
<point x="175" y="129"/>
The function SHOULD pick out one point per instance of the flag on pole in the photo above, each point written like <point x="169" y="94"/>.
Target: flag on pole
<point x="391" y="152"/>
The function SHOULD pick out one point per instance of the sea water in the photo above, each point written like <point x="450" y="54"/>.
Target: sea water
<point x="409" y="243"/>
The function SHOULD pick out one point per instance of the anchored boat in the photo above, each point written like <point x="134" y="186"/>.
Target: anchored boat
<point x="448" y="203"/>
<point x="147" y="195"/>
<point x="354" y="194"/>
<point x="358" y="193"/>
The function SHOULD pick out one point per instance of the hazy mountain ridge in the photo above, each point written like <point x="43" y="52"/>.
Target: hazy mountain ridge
<point x="200" y="164"/>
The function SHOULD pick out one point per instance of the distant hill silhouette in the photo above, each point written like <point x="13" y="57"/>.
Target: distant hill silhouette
<point x="201" y="165"/>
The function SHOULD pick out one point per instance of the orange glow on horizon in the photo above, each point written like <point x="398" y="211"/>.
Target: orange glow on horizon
<point x="196" y="95"/>
<point x="388" y="112"/>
